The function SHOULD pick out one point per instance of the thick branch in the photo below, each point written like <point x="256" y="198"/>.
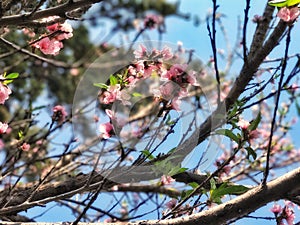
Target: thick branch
<point x="59" y="10"/>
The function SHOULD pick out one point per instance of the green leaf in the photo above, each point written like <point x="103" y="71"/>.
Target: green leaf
<point x="227" y="189"/>
<point x="169" y="121"/>
<point x="213" y="184"/>
<point x="254" y="124"/>
<point x="176" y="170"/>
<point x="20" y="134"/>
<point x="228" y="133"/>
<point x="233" y="112"/>
<point x="251" y="152"/>
<point x="283" y="3"/>
<point x="113" y="80"/>
<point x="101" y="85"/>
<point x="148" y="154"/>
<point x="136" y="94"/>
<point x="194" y="185"/>
<point x="10" y="77"/>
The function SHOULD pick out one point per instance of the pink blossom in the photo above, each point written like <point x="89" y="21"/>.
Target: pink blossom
<point x="166" y="180"/>
<point x="9" y="130"/>
<point x="289" y="215"/>
<point x="149" y="69"/>
<point x="276" y="209"/>
<point x="59" y="113"/>
<point x="178" y="69"/>
<point x="142" y="52"/>
<point x="140" y="66"/>
<point x="106" y="130"/>
<point x="68" y="31"/>
<point x="111" y="94"/>
<point x="66" y="28"/>
<point x="25" y="147"/>
<point x="166" y="53"/>
<point x="244" y="124"/>
<point x="131" y="79"/>
<point x="151" y="21"/>
<point x="49" y="47"/>
<point x="3" y="127"/>
<point x="288" y="14"/>
<point x="4" y="92"/>
<point x="175" y="73"/>
<point x="53" y="27"/>
<point x="132" y="70"/>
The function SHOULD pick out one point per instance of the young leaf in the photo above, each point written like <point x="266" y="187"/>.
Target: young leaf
<point x="10" y="77"/>
<point x="283" y="3"/>
<point x="113" y="80"/>
<point x="228" y="133"/>
<point x="136" y="94"/>
<point x="101" y="85"/>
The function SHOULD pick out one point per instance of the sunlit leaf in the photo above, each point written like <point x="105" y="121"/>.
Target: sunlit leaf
<point x="281" y="3"/>
<point x="227" y="189"/>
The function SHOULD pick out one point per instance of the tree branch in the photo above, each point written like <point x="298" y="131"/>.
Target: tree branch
<point x="286" y="186"/>
<point x="60" y="10"/>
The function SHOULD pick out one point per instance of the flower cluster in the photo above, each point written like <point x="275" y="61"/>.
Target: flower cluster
<point x="288" y="14"/>
<point x="5" y="91"/>
<point x="151" y="74"/>
<point x="52" y="45"/>
<point x="286" y="213"/>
